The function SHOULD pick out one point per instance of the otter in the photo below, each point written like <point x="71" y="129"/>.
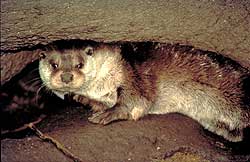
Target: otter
<point x="174" y="79"/>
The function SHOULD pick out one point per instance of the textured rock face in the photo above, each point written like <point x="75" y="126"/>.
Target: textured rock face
<point x="11" y="64"/>
<point x="219" y="25"/>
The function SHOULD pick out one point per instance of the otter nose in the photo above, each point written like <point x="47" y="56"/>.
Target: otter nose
<point x="66" y="77"/>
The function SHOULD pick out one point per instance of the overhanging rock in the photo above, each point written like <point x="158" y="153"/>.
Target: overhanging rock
<point x="222" y="26"/>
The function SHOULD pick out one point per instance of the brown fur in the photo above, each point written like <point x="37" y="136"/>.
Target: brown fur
<point x="200" y="67"/>
<point x="202" y="85"/>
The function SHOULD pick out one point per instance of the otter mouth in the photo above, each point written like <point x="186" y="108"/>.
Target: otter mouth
<point x="66" y="89"/>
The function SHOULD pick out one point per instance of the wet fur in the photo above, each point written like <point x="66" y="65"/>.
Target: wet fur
<point x="194" y="83"/>
<point x="198" y="84"/>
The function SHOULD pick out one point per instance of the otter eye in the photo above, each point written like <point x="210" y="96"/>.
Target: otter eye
<point x="79" y="66"/>
<point x="54" y="66"/>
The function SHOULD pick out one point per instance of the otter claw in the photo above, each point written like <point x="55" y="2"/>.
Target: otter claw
<point x="107" y="117"/>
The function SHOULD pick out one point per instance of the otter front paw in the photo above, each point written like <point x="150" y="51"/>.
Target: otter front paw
<point x="108" y="116"/>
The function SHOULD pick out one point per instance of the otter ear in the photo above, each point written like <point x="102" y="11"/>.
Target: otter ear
<point x="89" y="50"/>
<point x="42" y="55"/>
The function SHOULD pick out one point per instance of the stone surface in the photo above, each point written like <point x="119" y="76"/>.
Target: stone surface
<point x="218" y="25"/>
<point x="149" y="139"/>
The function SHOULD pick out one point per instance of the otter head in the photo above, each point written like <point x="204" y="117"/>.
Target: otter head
<point x="66" y="71"/>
